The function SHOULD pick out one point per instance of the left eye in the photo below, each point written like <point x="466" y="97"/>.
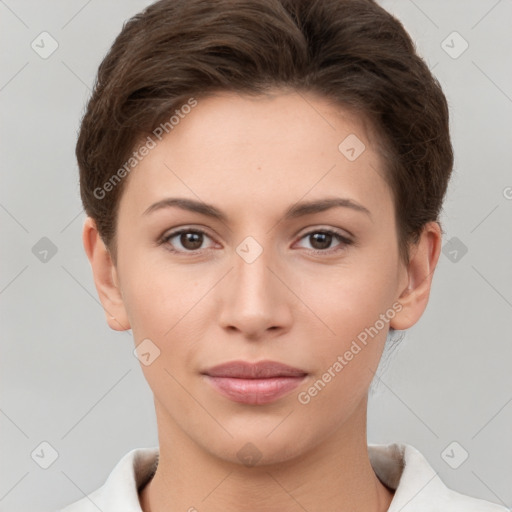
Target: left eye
<point x="322" y="239"/>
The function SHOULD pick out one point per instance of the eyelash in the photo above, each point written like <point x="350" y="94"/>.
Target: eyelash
<point x="341" y="238"/>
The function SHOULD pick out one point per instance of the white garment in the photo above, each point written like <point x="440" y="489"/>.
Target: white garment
<point x="399" y="466"/>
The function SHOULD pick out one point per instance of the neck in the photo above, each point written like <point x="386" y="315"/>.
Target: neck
<point x="336" y="474"/>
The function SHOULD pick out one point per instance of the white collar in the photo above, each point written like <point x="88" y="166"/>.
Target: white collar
<point x="401" y="467"/>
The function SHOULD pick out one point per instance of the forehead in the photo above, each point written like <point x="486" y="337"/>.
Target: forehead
<point x="260" y="151"/>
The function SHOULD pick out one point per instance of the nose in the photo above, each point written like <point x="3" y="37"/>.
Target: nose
<point x="254" y="299"/>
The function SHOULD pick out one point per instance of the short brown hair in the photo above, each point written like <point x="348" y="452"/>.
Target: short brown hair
<point x="350" y="51"/>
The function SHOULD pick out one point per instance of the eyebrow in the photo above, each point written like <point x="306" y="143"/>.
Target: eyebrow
<point x="297" y="210"/>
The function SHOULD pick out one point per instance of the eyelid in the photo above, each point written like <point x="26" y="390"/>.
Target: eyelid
<point x="338" y="231"/>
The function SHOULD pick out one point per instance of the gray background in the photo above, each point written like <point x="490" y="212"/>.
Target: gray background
<point x="70" y="381"/>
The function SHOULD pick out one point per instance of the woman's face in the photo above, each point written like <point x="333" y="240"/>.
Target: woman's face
<point x="260" y="283"/>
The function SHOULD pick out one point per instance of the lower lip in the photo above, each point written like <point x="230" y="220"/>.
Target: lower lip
<point x="254" y="391"/>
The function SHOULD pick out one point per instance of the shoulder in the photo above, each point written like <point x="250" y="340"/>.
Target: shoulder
<point x="120" y="491"/>
<point x="417" y="486"/>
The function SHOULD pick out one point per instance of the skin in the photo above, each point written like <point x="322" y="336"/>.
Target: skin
<point x="253" y="158"/>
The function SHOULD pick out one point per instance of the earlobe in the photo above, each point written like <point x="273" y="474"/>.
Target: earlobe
<point x="105" y="277"/>
<point x="420" y="271"/>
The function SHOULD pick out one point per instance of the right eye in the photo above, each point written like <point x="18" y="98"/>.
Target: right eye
<point x="190" y="240"/>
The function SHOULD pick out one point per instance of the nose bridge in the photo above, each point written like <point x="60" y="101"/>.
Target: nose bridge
<point x="254" y="281"/>
<point x="255" y="300"/>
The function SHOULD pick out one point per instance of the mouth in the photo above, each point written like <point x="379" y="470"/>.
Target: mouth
<point x="254" y="383"/>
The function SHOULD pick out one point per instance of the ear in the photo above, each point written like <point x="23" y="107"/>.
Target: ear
<point x="414" y="294"/>
<point x="105" y="277"/>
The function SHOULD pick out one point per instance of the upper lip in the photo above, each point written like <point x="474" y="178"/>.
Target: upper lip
<point x="258" y="370"/>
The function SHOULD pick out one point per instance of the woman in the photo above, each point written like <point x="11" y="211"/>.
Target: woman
<point x="263" y="181"/>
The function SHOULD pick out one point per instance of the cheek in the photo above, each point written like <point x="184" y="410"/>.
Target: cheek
<point x="346" y="361"/>
<point x="355" y="308"/>
<point x="171" y="307"/>
<point x="158" y="296"/>
<point x="163" y="307"/>
<point x="350" y="299"/>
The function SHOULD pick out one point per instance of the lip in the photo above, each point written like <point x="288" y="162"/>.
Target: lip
<point x="254" y="383"/>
